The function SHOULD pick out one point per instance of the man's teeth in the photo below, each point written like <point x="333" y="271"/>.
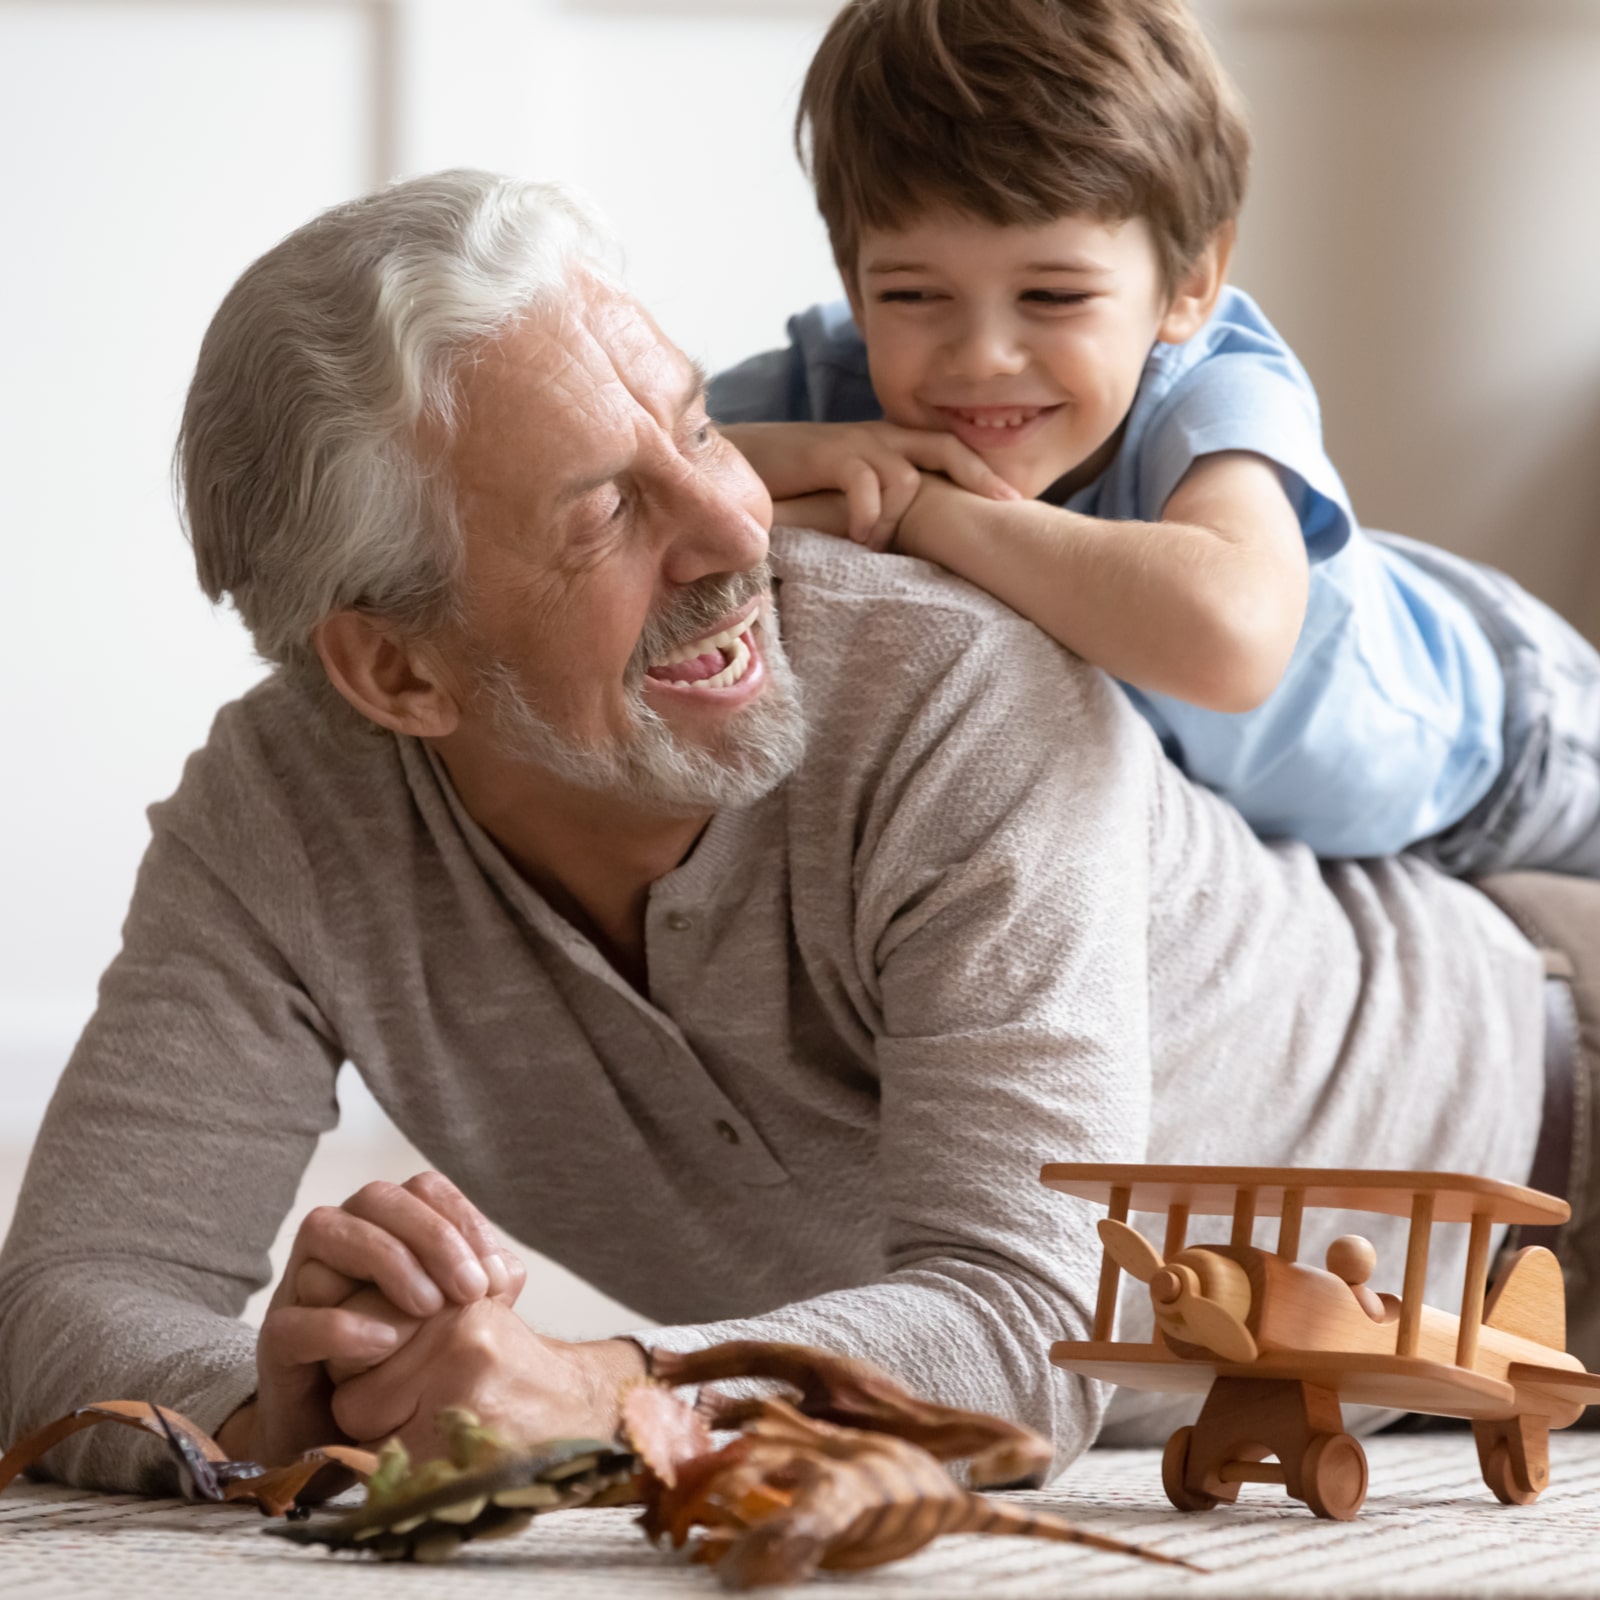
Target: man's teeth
<point x="704" y="647"/>
<point x="734" y="670"/>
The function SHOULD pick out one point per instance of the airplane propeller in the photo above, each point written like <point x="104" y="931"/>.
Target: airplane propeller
<point x="1177" y="1296"/>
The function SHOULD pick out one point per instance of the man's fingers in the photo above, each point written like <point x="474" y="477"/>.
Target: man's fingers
<point x="381" y="1414"/>
<point x="515" y="1274"/>
<point x="446" y="1358"/>
<point x="369" y="1252"/>
<point x="445" y="1198"/>
<point x="370" y="1303"/>
<point x="317" y="1284"/>
<point x="445" y="1254"/>
<point x="504" y="1272"/>
<point x="304" y="1336"/>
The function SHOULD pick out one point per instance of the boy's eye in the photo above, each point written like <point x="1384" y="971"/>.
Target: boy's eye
<point x="907" y="297"/>
<point x="1056" y="297"/>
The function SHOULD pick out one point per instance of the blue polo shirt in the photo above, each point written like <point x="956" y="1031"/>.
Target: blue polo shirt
<point x="1386" y="727"/>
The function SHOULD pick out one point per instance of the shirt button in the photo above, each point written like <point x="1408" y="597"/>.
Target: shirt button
<point x="678" y="922"/>
<point x="727" y="1133"/>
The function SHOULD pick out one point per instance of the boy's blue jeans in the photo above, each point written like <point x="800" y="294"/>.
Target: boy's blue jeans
<point x="1543" y="810"/>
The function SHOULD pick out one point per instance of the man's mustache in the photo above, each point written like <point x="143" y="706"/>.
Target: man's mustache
<point x="693" y="612"/>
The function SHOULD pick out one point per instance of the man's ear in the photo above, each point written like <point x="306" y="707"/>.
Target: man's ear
<point x="1197" y="291"/>
<point x="390" y="679"/>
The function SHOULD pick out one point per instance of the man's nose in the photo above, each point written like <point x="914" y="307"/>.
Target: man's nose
<point x="719" y="521"/>
<point x="985" y="344"/>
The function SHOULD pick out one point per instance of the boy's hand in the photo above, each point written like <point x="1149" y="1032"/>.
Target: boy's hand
<point x="940" y="511"/>
<point x="877" y="467"/>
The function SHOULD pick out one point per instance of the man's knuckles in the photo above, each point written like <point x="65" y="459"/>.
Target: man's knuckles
<point x="437" y="1191"/>
<point x="458" y="1357"/>
<point x="375" y="1198"/>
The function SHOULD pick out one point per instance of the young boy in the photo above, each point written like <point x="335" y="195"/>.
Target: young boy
<point x="1042" y="382"/>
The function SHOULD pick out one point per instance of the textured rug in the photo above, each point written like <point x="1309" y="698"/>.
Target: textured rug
<point x="1429" y="1529"/>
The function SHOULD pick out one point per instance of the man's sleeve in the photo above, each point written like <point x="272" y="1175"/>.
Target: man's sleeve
<point x="1001" y="907"/>
<point x="168" y="1158"/>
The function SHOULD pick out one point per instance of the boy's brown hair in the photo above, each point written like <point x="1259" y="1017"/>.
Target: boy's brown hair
<point x="1019" y="112"/>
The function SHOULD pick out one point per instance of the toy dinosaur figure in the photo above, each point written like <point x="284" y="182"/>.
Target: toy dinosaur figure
<point x="792" y="1494"/>
<point x="483" y="1491"/>
<point x="853" y="1394"/>
<point x="276" y="1490"/>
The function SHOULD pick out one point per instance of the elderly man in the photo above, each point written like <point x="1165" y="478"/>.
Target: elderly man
<point x="764" y="1044"/>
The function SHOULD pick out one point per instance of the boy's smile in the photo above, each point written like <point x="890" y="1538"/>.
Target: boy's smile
<point x="1026" y="343"/>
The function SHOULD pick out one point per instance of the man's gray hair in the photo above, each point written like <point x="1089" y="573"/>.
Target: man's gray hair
<point x="325" y="392"/>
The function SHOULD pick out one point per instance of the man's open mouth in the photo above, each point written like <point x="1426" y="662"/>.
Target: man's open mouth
<point x="718" y="661"/>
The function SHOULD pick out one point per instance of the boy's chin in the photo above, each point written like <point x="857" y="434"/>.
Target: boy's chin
<point x="1062" y="479"/>
<point x="1032" y="479"/>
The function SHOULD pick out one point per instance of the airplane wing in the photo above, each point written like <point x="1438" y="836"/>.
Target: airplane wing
<point x="1405" y="1383"/>
<point x="1215" y="1191"/>
<point x="1553" y="1383"/>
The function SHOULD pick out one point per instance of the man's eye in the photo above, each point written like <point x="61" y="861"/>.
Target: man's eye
<point x="608" y="505"/>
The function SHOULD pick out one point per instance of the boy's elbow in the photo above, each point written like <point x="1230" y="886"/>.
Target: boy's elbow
<point x="1241" y="661"/>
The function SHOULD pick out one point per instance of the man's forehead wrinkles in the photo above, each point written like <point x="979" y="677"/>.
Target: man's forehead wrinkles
<point x="566" y="401"/>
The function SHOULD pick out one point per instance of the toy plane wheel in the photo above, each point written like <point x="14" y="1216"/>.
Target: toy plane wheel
<point x="1333" y="1476"/>
<point x="1175" y="1473"/>
<point x="1511" y="1487"/>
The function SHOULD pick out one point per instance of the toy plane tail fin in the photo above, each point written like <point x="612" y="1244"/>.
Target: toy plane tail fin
<point x="1529" y="1299"/>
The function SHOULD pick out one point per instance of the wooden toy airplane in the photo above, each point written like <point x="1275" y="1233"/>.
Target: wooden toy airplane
<point x="1277" y="1346"/>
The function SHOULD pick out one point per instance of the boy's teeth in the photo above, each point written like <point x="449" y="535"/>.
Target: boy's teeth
<point x="999" y="419"/>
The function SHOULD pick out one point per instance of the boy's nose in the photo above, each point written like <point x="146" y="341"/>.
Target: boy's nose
<point x="986" y="347"/>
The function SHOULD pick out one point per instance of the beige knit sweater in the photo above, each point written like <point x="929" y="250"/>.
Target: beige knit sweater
<point x="986" y="926"/>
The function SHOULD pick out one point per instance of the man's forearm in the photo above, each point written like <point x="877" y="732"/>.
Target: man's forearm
<point x="935" y="1340"/>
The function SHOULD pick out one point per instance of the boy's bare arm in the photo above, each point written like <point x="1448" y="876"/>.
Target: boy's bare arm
<point x="1205" y="605"/>
<point x="876" y="466"/>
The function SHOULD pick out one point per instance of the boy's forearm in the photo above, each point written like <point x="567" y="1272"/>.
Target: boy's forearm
<point x="776" y="451"/>
<point x="1172" y="609"/>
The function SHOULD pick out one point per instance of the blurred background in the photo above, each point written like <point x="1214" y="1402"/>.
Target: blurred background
<point x="1424" y="226"/>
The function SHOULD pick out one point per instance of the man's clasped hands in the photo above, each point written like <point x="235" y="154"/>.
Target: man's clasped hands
<point x="397" y="1304"/>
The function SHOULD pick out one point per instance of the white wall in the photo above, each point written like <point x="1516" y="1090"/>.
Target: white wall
<point x="675" y="119"/>
<point x="1424" y="227"/>
<point x="145" y="154"/>
<point x="148" y="152"/>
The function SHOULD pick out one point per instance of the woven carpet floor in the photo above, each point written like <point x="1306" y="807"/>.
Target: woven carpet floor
<point x="1429" y="1528"/>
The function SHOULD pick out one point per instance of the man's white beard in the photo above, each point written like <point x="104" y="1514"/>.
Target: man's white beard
<point x="760" y="746"/>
